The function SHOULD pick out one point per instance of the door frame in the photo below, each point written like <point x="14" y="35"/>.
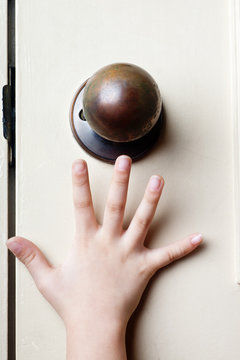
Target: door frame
<point x="235" y="35"/>
<point x="3" y="193"/>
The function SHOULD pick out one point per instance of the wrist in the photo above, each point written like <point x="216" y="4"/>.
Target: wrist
<point x="96" y="340"/>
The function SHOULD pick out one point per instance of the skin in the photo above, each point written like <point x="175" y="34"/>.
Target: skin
<point x="100" y="283"/>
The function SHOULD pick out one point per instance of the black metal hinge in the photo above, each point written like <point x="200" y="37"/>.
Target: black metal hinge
<point x="8" y="119"/>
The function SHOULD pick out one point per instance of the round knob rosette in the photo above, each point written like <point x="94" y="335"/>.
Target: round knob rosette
<point x="117" y="111"/>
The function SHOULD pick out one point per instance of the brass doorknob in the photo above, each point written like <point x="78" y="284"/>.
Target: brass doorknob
<point x="117" y="111"/>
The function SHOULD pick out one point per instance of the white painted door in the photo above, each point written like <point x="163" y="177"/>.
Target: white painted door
<point x="192" y="308"/>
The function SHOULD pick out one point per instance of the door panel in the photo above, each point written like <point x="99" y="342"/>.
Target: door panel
<point x="192" y="308"/>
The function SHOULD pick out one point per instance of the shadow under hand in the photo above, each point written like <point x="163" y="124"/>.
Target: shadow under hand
<point x="135" y="318"/>
<point x="157" y="227"/>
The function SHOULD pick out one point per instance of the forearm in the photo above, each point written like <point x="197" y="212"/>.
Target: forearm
<point x="96" y="342"/>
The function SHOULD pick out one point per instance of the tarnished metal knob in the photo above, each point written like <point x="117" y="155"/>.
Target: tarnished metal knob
<point x="117" y="111"/>
<point x="121" y="102"/>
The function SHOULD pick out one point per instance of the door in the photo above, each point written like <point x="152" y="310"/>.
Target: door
<point x="191" y="309"/>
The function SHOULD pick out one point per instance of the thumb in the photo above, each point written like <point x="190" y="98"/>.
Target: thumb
<point x="163" y="256"/>
<point x="31" y="256"/>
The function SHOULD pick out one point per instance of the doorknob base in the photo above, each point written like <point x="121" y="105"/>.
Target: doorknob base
<point x="104" y="149"/>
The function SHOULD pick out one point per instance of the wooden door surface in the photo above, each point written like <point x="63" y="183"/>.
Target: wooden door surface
<point x="192" y="308"/>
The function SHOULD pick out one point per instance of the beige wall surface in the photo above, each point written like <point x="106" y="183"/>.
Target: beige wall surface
<point x="3" y="192"/>
<point x="191" y="310"/>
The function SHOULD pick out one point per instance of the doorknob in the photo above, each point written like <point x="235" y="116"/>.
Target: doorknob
<point x="117" y="111"/>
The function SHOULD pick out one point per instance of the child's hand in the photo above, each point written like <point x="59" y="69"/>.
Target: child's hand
<point x="101" y="281"/>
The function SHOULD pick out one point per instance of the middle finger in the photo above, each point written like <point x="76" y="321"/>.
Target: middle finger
<point x="117" y="196"/>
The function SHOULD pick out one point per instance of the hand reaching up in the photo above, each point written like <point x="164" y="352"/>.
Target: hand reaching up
<point x="101" y="281"/>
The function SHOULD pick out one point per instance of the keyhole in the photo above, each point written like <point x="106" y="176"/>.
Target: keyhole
<point x="81" y="115"/>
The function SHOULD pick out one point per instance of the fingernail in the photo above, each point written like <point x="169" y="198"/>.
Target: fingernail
<point x="14" y="247"/>
<point x="196" y="239"/>
<point x="155" y="183"/>
<point x="123" y="163"/>
<point x="79" y="166"/>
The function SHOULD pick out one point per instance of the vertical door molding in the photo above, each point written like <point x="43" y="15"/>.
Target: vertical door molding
<point x="235" y="14"/>
<point x="3" y="192"/>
